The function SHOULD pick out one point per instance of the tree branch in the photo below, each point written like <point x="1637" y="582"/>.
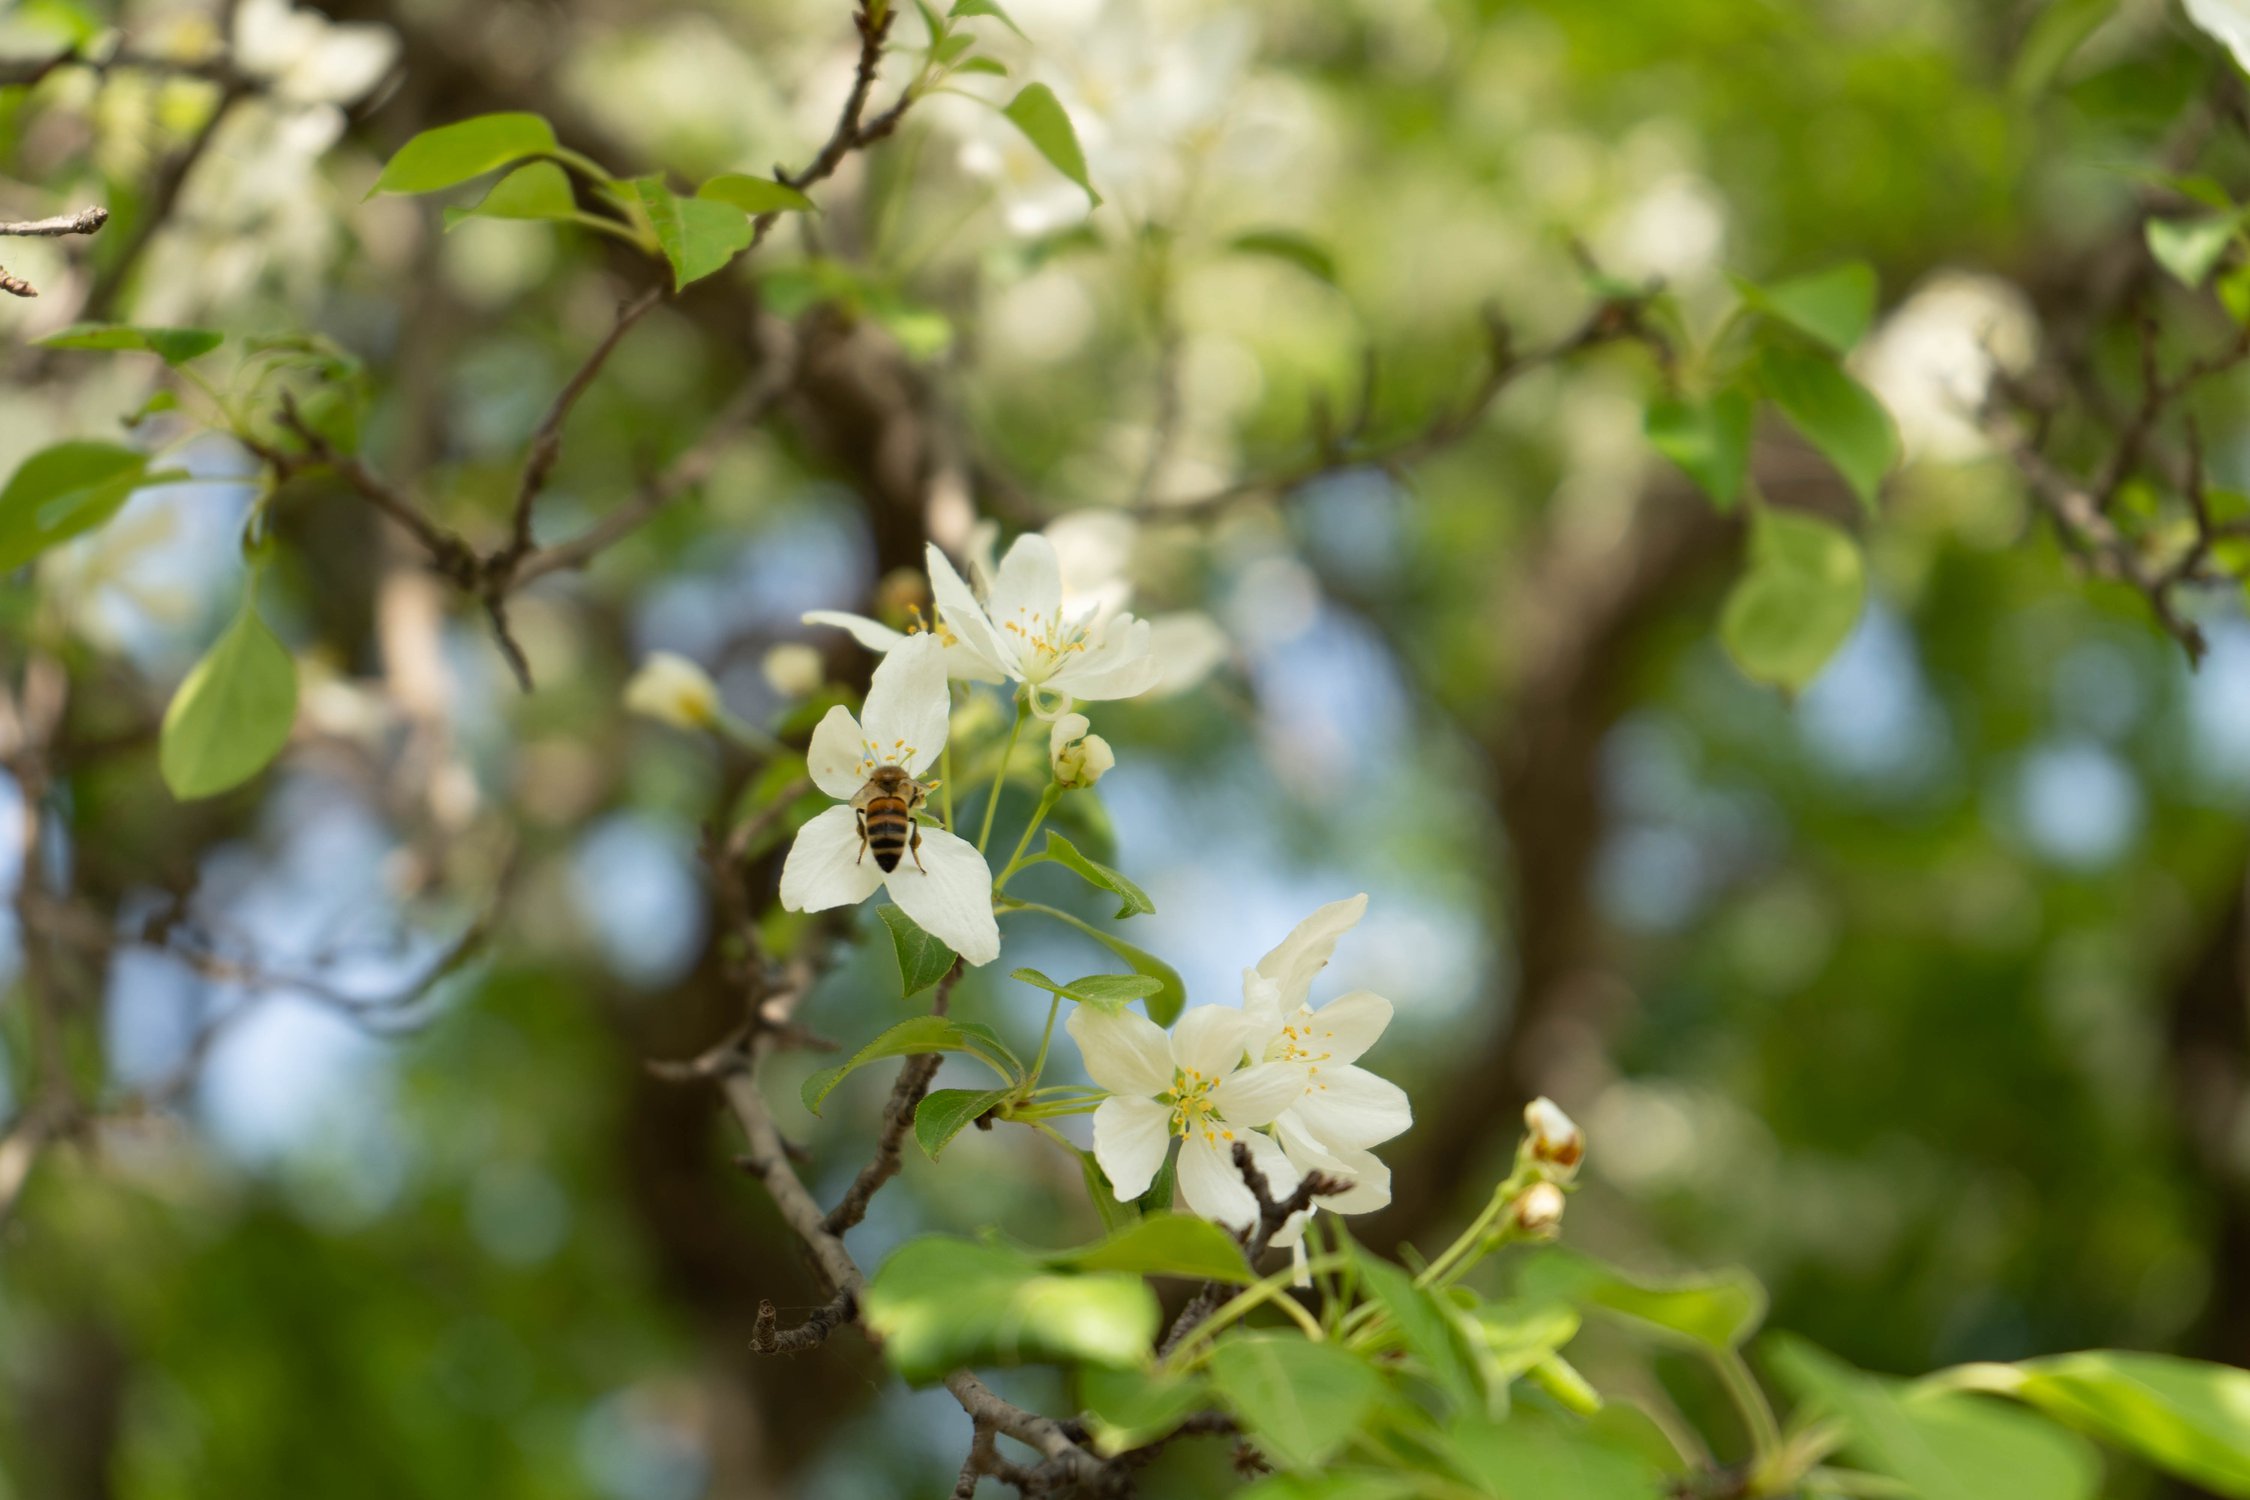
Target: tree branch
<point x="85" y="221"/>
<point x="898" y="1118"/>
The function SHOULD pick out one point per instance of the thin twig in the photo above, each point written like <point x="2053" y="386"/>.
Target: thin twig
<point x="85" y="221"/>
<point x="898" y="1118"/>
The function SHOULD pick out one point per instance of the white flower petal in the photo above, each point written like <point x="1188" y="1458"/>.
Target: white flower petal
<point x="2228" y="20"/>
<point x="1347" y="1108"/>
<point x="959" y="611"/>
<point x="948" y="894"/>
<point x="824" y="867"/>
<point x="1370" y="1179"/>
<point x="1261" y="1002"/>
<point x="1119" y="667"/>
<point x="1187" y="647"/>
<point x="835" y="758"/>
<point x="873" y="634"/>
<point x="1212" y="1187"/>
<point x="1305" y="952"/>
<point x="1256" y="1094"/>
<point x="1125" y="1051"/>
<point x="1211" y="1039"/>
<point x="1028" y="586"/>
<point x="1130" y="1139"/>
<point x="908" y="704"/>
<point x="1343" y="1029"/>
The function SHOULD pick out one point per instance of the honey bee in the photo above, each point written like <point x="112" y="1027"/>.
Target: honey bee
<point x="886" y="817"/>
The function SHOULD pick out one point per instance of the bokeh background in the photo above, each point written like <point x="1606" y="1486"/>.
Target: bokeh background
<point x="1921" y="995"/>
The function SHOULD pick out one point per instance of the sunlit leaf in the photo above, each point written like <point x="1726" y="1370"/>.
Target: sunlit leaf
<point x="699" y="236"/>
<point x="1708" y="439"/>
<point x="1164" y="1244"/>
<point x="2191" y="249"/>
<point x="922" y="959"/>
<point x="1095" y="989"/>
<point x="1132" y="1408"/>
<point x="1836" y="414"/>
<point x="62" y="492"/>
<point x="454" y="153"/>
<point x="2182" y="1415"/>
<point x="945" y="1113"/>
<point x="1133" y="901"/>
<point x="1797" y="601"/>
<point x="755" y="195"/>
<point x="175" y="346"/>
<point x="1300" y="1402"/>
<point x="537" y="190"/>
<point x="1718" y="1311"/>
<point x="1040" y="116"/>
<point x="939" y="1303"/>
<point x="1834" y="306"/>
<point x="1288" y="246"/>
<point x="232" y="714"/>
<point x="909" y="1039"/>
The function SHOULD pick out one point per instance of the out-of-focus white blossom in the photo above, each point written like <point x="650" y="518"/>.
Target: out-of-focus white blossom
<point x="1539" y="1211"/>
<point x="673" y="690"/>
<point x="1555" y="1140"/>
<point x="1932" y="362"/>
<point x="305" y="58"/>
<point x="2227" y="20"/>
<point x="793" y="670"/>
<point x="945" y="886"/>
<point x="1079" y="759"/>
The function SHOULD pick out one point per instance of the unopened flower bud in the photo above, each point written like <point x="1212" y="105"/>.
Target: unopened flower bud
<point x="1556" y="1142"/>
<point x="1079" y="759"/>
<point x="675" y="691"/>
<point x="1539" y="1210"/>
<point x="793" y="669"/>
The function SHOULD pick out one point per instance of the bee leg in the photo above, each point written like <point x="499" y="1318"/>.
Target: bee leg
<point x="915" y="848"/>
<point x="862" y="837"/>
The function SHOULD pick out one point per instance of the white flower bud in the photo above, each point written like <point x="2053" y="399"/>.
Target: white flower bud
<point x="1079" y="759"/>
<point x="675" y="691"/>
<point x="1539" y="1211"/>
<point x="1556" y="1142"/>
<point x="794" y="670"/>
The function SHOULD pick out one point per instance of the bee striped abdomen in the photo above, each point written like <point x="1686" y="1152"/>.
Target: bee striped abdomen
<point x="890" y="827"/>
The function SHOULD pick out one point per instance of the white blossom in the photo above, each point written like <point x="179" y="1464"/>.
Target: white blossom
<point x="2228" y="21"/>
<point x="1933" y="361"/>
<point x="1194" y="1086"/>
<point x="673" y="690"/>
<point x="305" y="58"/>
<point x="944" y="883"/>
<point x="1079" y="758"/>
<point x="793" y="670"/>
<point x="1340" y="1110"/>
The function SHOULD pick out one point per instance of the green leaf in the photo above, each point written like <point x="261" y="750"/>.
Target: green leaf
<point x="232" y="714"/>
<point x="65" y="491"/>
<point x="1164" y="1244"/>
<point x="1301" y="1402"/>
<point x="940" y="1303"/>
<point x="1718" y="1311"/>
<point x="537" y="190"/>
<point x="991" y="65"/>
<point x="1710" y="440"/>
<point x="1425" y="1325"/>
<point x="1836" y="414"/>
<point x="1039" y="115"/>
<point x="1510" y="1337"/>
<point x="1095" y="989"/>
<point x="922" y="959"/>
<point x="755" y="195"/>
<point x="1334" y="1485"/>
<point x="911" y="1039"/>
<point x="2062" y="28"/>
<point x="175" y="346"/>
<point x="2186" y="1417"/>
<point x="1553" y="1460"/>
<point x="1289" y="246"/>
<point x="1132" y="1408"/>
<point x="1834" y="306"/>
<point x="1165" y="1005"/>
<point x="1940" y="1445"/>
<point x="1796" y="603"/>
<point x="962" y="8"/>
<point x="945" y="1113"/>
<point x="1133" y="901"/>
<point x="454" y="153"/>
<point x="2191" y="249"/>
<point x="699" y="236"/>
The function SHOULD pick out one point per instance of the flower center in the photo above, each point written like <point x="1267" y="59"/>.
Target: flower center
<point x="1193" y="1110"/>
<point x="915" y="625"/>
<point x="1044" y="640"/>
<point x="871" y="755"/>
<point x="1304" y="1041"/>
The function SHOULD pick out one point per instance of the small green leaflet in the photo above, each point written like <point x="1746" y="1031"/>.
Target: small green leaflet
<point x="1039" y="115"/>
<point x="1290" y="247"/>
<point x="1718" y="1311"/>
<point x="1836" y="414"/>
<point x="1095" y="989"/>
<point x="1133" y="900"/>
<point x="1131" y="1409"/>
<point x="922" y="959"/>
<point x="2191" y="249"/>
<point x="698" y="235"/>
<point x="232" y="714"/>
<point x="755" y="195"/>
<point x="1709" y="440"/>
<point x="940" y="1303"/>
<point x="913" y="1038"/>
<point x="2052" y="41"/>
<point x="1796" y="603"/>
<point x="1427" y="1327"/>
<point x="1164" y="1244"/>
<point x="962" y="8"/>
<point x="175" y="346"/>
<point x="537" y="190"/>
<point x="453" y="154"/>
<point x="2185" y="1416"/>
<point x="1834" y="306"/>
<point x="1301" y="1402"/>
<point x="945" y="1113"/>
<point x="66" y="491"/>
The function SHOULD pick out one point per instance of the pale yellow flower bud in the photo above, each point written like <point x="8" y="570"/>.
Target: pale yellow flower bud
<point x="1079" y="759"/>
<point x="674" y="691"/>
<point x="1539" y="1211"/>
<point x="794" y="670"/>
<point x="1556" y="1142"/>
